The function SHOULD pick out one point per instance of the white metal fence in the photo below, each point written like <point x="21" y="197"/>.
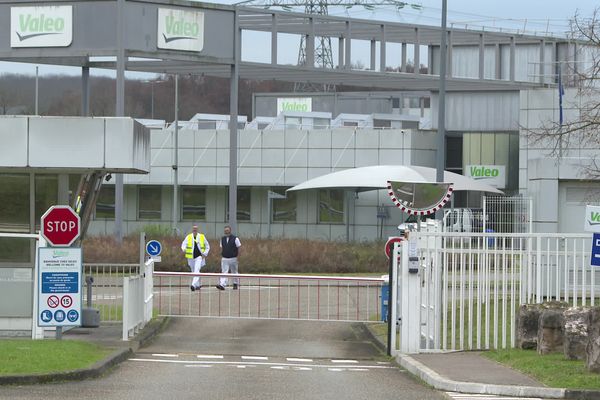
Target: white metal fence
<point x="471" y="284"/>
<point x="107" y="288"/>
<point x="138" y="296"/>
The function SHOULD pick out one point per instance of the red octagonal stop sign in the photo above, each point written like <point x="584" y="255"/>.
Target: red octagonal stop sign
<point x="60" y="226"/>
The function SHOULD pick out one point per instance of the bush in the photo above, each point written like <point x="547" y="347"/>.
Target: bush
<point x="258" y="255"/>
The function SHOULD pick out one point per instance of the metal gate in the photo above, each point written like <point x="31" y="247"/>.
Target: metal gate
<point x="469" y="285"/>
<point x="323" y="298"/>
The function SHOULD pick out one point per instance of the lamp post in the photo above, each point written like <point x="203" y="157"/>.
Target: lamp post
<point x="152" y="82"/>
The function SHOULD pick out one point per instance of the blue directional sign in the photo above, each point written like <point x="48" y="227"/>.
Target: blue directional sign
<point x="596" y="250"/>
<point x="153" y="248"/>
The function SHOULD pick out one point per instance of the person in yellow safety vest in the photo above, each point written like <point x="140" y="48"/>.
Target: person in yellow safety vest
<point x="79" y="202"/>
<point x="196" y="248"/>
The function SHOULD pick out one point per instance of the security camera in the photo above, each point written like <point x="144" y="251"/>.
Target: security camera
<point x="108" y="177"/>
<point x="402" y="131"/>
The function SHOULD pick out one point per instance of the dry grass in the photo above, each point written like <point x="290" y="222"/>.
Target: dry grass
<point x="259" y="255"/>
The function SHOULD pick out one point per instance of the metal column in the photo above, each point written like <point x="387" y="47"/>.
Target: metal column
<point x="120" y="112"/>
<point x="233" y="131"/>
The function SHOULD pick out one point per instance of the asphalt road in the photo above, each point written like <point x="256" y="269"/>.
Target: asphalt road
<point x="247" y="359"/>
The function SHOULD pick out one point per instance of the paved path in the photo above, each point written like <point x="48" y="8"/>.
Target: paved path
<point x="247" y="359"/>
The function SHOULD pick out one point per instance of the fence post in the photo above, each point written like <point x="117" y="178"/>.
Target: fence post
<point x="126" y="308"/>
<point x="538" y="271"/>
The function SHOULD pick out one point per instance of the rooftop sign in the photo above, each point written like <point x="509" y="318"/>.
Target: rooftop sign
<point x="180" y="30"/>
<point x="42" y="26"/>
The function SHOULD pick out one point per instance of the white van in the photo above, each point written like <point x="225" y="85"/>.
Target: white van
<point x="458" y="220"/>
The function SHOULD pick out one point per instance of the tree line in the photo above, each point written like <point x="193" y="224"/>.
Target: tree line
<point x="61" y="95"/>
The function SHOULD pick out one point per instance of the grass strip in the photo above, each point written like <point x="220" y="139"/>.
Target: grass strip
<point x="26" y="357"/>
<point x="552" y="370"/>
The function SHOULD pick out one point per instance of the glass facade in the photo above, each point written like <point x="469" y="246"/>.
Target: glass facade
<point x="149" y="202"/>
<point x="193" y="203"/>
<point x="15" y="217"/>
<point x="284" y="210"/>
<point x="46" y="195"/>
<point x="105" y="205"/>
<point x="244" y="204"/>
<point x="331" y="206"/>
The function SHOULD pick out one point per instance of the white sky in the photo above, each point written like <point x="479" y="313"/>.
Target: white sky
<point x="532" y="15"/>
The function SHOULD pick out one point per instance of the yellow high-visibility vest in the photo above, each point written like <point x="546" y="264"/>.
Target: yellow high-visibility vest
<point x="189" y="249"/>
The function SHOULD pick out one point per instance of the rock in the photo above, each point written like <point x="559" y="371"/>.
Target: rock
<point x="551" y="331"/>
<point x="577" y="322"/>
<point x="592" y="356"/>
<point x="527" y="326"/>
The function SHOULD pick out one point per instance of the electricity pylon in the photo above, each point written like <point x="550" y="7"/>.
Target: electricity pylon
<point x="323" y="56"/>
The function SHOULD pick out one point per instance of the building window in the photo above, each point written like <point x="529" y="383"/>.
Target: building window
<point x="105" y="205"/>
<point x="14" y="217"/>
<point x="244" y="204"/>
<point x="284" y="210"/>
<point x="46" y="195"/>
<point x="331" y="206"/>
<point x="193" y="203"/>
<point x="149" y="202"/>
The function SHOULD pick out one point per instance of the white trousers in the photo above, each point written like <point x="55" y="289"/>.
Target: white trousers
<point x="229" y="265"/>
<point x="195" y="265"/>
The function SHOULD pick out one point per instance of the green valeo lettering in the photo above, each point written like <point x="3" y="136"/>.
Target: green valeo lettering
<point x="29" y="23"/>
<point x="294" y="107"/>
<point x="595" y="216"/>
<point x="180" y="27"/>
<point x="481" y="172"/>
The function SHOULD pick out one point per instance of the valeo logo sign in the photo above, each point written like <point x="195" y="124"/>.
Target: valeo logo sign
<point x="594" y="218"/>
<point x="300" y="104"/>
<point x="480" y="172"/>
<point x="180" y="30"/>
<point x="47" y="26"/>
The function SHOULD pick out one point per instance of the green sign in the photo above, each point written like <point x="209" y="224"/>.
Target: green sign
<point x="45" y="26"/>
<point x="494" y="175"/>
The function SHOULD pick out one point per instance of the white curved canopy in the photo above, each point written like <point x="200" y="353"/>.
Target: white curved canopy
<point x="376" y="177"/>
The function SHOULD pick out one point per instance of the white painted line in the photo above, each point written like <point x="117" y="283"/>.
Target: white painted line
<point x="302" y="369"/>
<point x="279" y="367"/>
<point x="335" y="369"/>
<point x="254" y="358"/>
<point x="239" y="366"/>
<point x="464" y="396"/>
<point x="345" y="361"/>
<point x="165" y="355"/>
<point x="292" y="359"/>
<point x="256" y="363"/>
<point x="383" y="362"/>
<point x="358" y="369"/>
<point x="198" y="366"/>
<point x="208" y="356"/>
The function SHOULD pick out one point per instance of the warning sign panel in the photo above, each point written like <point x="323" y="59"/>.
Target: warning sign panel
<point x="59" y="289"/>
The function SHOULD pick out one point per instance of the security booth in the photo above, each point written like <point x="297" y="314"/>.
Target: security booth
<point x="46" y="161"/>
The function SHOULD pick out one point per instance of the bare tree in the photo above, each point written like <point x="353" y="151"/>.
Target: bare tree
<point x="581" y="129"/>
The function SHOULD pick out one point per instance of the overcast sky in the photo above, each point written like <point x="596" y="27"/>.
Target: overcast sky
<point x="530" y="15"/>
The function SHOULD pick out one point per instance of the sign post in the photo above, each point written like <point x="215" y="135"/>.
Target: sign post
<point x="154" y="248"/>
<point x="59" y="288"/>
<point x="59" y="270"/>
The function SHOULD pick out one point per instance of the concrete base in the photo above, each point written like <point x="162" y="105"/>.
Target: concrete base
<point x="90" y="317"/>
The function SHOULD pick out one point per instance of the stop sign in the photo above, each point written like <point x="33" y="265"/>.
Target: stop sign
<point x="60" y="226"/>
<point x="391" y="241"/>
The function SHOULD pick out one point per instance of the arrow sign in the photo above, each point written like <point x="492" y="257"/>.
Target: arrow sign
<point x="153" y="248"/>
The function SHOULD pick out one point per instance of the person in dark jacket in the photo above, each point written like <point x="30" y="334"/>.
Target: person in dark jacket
<point x="230" y="253"/>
